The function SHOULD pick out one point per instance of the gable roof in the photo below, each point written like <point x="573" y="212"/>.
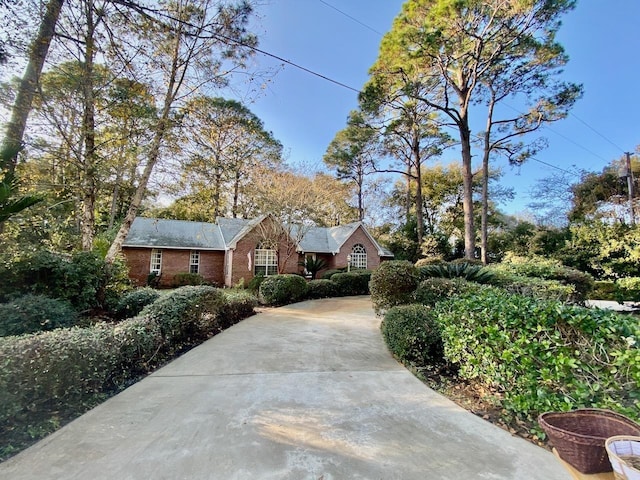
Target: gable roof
<point x="162" y="233"/>
<point x="226" y="232"/>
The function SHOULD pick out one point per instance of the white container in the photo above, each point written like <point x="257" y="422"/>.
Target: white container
<point x="619" y="448"/>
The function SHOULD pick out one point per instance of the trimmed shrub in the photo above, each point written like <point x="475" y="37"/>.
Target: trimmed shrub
<point x="429" y="261"/>
<point x="605" y="290"/>
<point x="543" y="355"/>
<point x="434" y="290"/>
<point x="547" y="269"/>
<point x="629" y="288"/>
<point x="237" y="305"/>
<point x="283" y="289"/>
<point x="412" y="334"/>
<point x="352" y="283"/>
<point x="132" y="303"/>
<point x="187" y="315"/>
<point x="393" y="283"/>
<point x="185" y="278"/>
<point x="139" y="340"/>
<point x="35" y="313"/>
<point x="330" y="273"/>
<point x="535" y="287"/>
<point x="322" y="289"/>
<point x="468" y="271"/>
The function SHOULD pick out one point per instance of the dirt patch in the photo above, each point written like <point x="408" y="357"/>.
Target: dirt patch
<point x="479" y="400"/>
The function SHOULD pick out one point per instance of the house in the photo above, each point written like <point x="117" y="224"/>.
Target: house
<point x="232" y="250"/>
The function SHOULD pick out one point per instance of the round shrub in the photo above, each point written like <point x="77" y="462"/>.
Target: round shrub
<point x="629" y="288"/>
<point x="412" y="334"/>
<point x="186" y="315"/>
<point x="330" y="273"/>
<point x="322" y="289"/>
<point x="352" y="283"/>
<point x="283" y="289"/>
<point x="255" y="282"/>
<point x="393" y="283"/>
<point x="433" y="290"/>
<point x="429" y="261"/>
<point x="34" y="313"/>
<point x="132" y="303"/>
<point x="186" y="278"/>
<point x="535" y="287"/>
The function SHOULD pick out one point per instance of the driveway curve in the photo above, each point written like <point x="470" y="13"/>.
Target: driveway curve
<point x="307" y="391"/>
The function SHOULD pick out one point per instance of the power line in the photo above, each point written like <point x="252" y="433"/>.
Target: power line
<point x="352" y="18"/>
<point x="596" y="132"/>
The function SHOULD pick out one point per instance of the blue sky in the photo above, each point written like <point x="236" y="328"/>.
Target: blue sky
<point x="305" y="112"/>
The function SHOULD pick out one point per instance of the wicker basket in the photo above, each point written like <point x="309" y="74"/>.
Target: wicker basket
<point x="579" y="436"/>
<point x="624" y="455"/>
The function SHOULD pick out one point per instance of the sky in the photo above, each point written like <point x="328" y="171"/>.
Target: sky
<point x="305" y="112"/>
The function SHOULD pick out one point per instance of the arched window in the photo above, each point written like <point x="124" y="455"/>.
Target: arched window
<point x="265" y="260"/>
<point x="358" y="257"/>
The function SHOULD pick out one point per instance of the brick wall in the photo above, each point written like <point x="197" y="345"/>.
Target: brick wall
<point x="373" y="259"/>
<point x="247" y="245"/>
<point x="173" y="261"/>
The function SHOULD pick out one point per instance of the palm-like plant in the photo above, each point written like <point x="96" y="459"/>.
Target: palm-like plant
<point x="10" y="203"/>
<point x="313" y="265"/>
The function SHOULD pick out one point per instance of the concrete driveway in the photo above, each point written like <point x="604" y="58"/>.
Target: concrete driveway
<point x="307" y="391"/>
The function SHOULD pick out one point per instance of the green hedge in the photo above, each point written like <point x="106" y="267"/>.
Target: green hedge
<point x="322" y="289"/>
<point x="412" y="334"/>
<point x="457" y="269"/>
<point x="434" y="290"/>
<point x="393" y="283"/>
<point x="535" y="287"/>
<point x="185" y="278"/>
<point x="132" y="303"/>
<point x="352" y="283"/>
<point x="186" y="316"/>
<point x="35" y="313"/>
<point x="51" y="377"/>
<point x="543" y="355"/>
<point x="547" y="269"/>
<point x="283" y="289"/>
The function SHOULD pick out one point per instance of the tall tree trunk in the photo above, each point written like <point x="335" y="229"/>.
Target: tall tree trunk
<point x="467" y="186"/>
<point x="484" y="227"/>
<point x="417" y="163"/>
<point x="360" y="196"/>
<point x="173" y="85"/>
<point x="88" y="219"/>
<point x="408" y="200"/>
<point x="236" y="195"/>
<point x="12" y="143"/>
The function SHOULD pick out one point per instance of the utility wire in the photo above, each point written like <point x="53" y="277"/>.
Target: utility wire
<point x="596" y="132"/>
<point x="352" y="18"/>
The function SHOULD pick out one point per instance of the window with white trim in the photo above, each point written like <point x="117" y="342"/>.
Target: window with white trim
<point x="358" y="257"/>
<point x="265" y="261"/>
<point x="194" y="261"/>
<point x="156" y="261"/>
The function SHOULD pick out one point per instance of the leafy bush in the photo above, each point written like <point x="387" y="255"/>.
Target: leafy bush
<point x="330" y="273"/>
<point x="429" y="261"/>
<point x="433" y="290"/>
<point x="283" y="289"/>
<point x="543" y="355"/>
<point x="393" y="283"/>
<point x="54" y="376"/>
<point x="605" y="290"/>
<point x="313" y="265"/>
<point x="238" y="304"/>
<point x="629" y="288"/>
<point x="254" y="283"/>
<point x="186" y="316"/>
<point x="322" y="289"/>
<point x="186" y="278"/>
<point x="412" y="334"/>
<point x="34" y="313"/>
<point x="466" y="270"/>
<point x="84" y="279"/>
<point x="547" y="269"/>
<point x="352" y="283"/>
<point x="132" y="303"/>
<point x="535" y="287"/>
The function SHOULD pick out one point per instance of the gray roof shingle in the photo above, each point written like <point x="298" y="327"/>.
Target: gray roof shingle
<point x="162" y="233"/>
